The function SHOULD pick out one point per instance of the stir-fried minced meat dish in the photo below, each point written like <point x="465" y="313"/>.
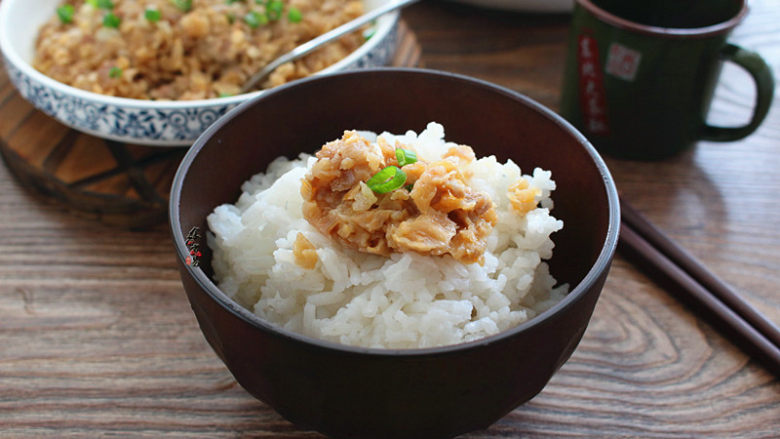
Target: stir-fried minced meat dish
<point x="186" y="49"/>
<point x="435" y="212"/>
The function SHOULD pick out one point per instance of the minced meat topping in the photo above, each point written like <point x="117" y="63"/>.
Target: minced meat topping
<point x="436" y="212"/>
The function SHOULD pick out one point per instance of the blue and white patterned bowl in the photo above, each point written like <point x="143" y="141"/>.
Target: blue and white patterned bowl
<point x="156" y="123"/>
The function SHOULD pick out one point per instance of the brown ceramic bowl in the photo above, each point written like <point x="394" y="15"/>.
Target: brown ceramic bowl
<point x="356" y="392"/>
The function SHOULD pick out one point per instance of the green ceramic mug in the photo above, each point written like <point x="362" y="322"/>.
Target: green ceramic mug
<point x="640" y="75"/>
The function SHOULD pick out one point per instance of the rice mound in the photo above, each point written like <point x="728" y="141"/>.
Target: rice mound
<point x="403" y="301"/>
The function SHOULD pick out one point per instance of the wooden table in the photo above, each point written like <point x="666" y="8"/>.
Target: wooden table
<point x="97" y="338"/>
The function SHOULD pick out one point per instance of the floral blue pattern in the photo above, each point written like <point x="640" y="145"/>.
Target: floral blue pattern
<point x="160" y="127"/>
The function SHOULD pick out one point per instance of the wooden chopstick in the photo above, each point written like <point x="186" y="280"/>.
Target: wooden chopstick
<point x="698" y="271"/>
<point x="654" y="250"/>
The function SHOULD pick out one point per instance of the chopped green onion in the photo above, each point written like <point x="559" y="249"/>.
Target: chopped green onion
<point x="65" y="13"/>
<point x="184" y="5"/>
<point x="368" y="33"/>
<point x="230" y="2"/>
<point x="115" y="72"/>
<point x="153" y="15"/>
<point x="222" y="94"/>
<point x="102" y="4"/>
<point x="294" y="15"/>
<point x="405" y="157"/>
<point x="273" y="9"/>
<point x="111" y="20"/>
<point x="255" y="19"/>
<point x="387" y="180"/>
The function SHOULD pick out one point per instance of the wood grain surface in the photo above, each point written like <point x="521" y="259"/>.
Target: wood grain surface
<point x="97" y="338"/>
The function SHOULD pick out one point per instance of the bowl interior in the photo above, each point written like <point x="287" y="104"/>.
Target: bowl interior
<point x="20" y="24"/>
<point x="303" y="116"/>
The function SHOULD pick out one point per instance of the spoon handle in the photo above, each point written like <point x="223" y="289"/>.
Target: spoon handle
<point x="314" y="43"/>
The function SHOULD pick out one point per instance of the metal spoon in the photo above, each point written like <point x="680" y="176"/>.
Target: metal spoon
<point x="312" y="44"/>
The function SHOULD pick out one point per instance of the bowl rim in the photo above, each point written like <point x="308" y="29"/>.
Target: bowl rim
<point x="601" y="264"/>
<point x="14" y="58"/>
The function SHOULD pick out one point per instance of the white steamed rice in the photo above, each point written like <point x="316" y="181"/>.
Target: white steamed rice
<point x="406" y="300"/>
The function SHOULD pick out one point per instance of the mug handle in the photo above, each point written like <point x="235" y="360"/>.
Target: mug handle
<point x="765" y="89"/>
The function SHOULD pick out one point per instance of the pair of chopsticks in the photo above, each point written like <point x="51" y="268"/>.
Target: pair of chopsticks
<point x="643" y="242"/>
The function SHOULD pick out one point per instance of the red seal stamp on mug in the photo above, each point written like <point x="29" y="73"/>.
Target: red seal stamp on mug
<point x="622" y="61"/>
